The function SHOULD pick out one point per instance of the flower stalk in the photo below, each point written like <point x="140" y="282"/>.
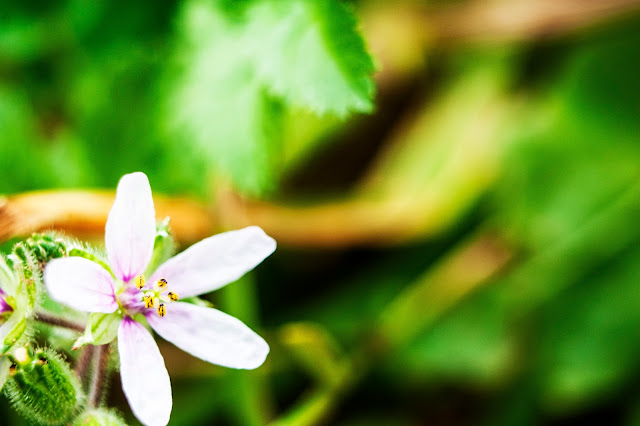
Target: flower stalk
<point x="99" y="376"/>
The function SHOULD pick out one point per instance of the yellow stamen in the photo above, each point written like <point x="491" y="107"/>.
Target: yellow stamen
<point x="172" y="296"/>
<point x="162" y="283"/>
<point x="161" y="310"/>
<point x="148" y="300"/>
<point x="140" y="282"/>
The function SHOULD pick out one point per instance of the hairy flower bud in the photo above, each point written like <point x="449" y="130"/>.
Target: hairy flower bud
<point x="42" y="387"/>
<point x="99" y="417"/>
<point x="45" y="247"/>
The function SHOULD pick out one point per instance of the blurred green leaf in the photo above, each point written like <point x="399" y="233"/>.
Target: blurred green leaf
<point x="591" y="336"/>
<point x="220" y="107"/>
<point x="310" y="53"/>
<point x="315" y="350"/>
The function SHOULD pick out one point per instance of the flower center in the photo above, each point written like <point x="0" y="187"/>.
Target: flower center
<point x="157" y="297"/>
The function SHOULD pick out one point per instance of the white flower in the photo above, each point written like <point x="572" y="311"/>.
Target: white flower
<point x="206" y="333"/>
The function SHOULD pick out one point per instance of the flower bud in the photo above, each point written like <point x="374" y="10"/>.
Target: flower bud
<point x="45" y="247"/>
<point x="42" y="387"/>
<point x="99" y="417"/>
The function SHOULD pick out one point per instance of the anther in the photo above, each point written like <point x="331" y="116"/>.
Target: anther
<point x="148" y="300"/>
<point x="172" y="296"/>
<point x="161" y="310"/>
<point x="140" y="282"/>
<point x="161" y="283"/>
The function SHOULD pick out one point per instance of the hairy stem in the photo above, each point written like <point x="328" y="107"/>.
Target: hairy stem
<point x="54" y="320"/>
<point x="100" y="370"/>
<point x="84" y="363"/>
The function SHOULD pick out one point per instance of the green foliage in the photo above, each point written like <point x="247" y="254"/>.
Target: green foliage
<point x="534" y="143"/>
<point x="238" y="76"/>
<point x="311" y="54"/>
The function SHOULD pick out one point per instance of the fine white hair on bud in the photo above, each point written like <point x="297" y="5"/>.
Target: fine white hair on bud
<point x="42" y="387"/>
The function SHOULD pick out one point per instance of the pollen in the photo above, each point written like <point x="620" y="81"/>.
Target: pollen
<point x="140" y="281"/>
<point x="158" y="297"/>
<point x="148" y="301"/>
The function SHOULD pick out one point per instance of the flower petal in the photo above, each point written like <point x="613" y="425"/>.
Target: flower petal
<point x="80" y="284"/>
<point x="144" y="377"/>
<point x="131" y="227"/>
<point x="215" y="261"/>
<point x="211" y="335"/>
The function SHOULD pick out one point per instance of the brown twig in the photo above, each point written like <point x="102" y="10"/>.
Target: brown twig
<point x="504" y="21"/>
<point x="84" y="213"/>
<point x="46" y="318"/>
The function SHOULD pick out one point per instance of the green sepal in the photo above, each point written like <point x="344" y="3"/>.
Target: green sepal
<point x="29" y="276"/>
<point x="44" y="389"/>
<point x="12" y="331"/>
<point x="99" y="417"/>
<point x="79" y="252"/>
<point x="101" y="329"/>
<point x="8" y="279"/>
<point x="164" y="246"/>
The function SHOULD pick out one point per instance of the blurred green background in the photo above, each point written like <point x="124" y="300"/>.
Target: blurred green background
<point x="460" y="246"/>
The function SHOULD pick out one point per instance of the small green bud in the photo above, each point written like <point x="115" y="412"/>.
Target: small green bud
<point x="45" y="247"/>
<point x="101" y="329"/>
<point x="99" y="417"/>
<point x="42" y="387"/>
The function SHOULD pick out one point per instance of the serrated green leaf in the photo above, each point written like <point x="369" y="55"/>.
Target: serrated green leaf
<point x="220" y="106"/>
<point x="311" y="54"/>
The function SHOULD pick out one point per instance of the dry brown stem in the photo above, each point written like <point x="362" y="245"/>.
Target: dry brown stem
<point x="84" y="214"/>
